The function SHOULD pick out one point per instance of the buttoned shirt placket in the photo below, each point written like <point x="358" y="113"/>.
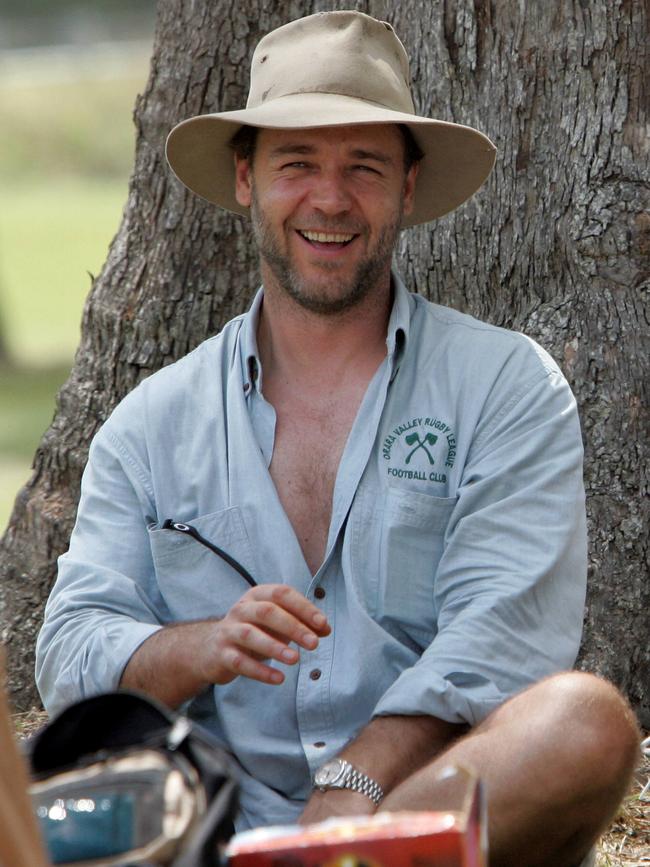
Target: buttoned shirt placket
<point x="316" y="726"/>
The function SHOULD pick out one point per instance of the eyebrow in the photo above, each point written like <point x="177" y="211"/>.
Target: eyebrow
<point x="378" y="157"/>
<point x="284" y="150"/>
<point x="306" y="150"/>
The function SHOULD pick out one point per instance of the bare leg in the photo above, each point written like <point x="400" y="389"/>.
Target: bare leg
<point x="556" y="761"/>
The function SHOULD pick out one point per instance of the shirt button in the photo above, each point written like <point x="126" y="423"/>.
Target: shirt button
<point x="319" y="593"/>
<point x="319" y="744"/>
<point x="315" y="673"/>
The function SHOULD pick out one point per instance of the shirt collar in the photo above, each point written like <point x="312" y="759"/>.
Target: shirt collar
<point x="249" y="352"/>
<point x="399" y="323"/>
<point x="396" y="335"/>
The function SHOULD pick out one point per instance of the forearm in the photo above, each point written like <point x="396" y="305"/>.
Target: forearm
<point x="389" y="749"/>
<point x="167" y="666"/>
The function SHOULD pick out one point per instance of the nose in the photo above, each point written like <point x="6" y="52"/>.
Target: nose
<point x="329" y="193"/>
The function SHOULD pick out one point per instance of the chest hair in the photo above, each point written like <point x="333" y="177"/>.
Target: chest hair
<point x="309" y="442"/>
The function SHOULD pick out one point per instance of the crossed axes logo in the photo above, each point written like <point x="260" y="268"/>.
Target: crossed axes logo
<point x="414" y="439"/>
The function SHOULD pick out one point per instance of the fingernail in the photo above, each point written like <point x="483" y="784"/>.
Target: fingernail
<point x="309" y="639"/>
<point x="288" y="654"/>
<point x="319" y="619"/>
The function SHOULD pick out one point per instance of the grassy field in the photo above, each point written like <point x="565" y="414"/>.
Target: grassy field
<point x="65" y="155"/>
<point x="53" y="236"/>
<point x="26" y="408"/>
<point x="50" y="238"/>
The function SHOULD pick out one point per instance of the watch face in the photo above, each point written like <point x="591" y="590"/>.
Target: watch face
<point x="329" y="773"/>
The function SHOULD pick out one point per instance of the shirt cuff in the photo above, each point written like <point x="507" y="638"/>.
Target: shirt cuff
<point x="417" y="694"/>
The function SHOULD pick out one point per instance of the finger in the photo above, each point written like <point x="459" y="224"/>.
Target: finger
<point x="260" y="645"/>
<point x="275" y="621"/>
<point x="240" y="649"/>
<point x="292" y="601"/>
<point x="235" y="660"/>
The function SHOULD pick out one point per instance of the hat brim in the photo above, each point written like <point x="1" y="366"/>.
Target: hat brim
<point x="457" y="158"/>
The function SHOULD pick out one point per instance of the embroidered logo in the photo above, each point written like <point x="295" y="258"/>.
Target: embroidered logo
<point x="413" y="451"/>
<point x="429" y="438"/>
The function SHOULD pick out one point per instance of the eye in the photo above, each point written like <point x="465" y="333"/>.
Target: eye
<point x="361" y="167"/>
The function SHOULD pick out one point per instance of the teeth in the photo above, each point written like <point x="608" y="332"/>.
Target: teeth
<point x="327" y="237"/>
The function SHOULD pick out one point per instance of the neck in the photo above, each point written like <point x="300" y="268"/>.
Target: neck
<point x="297" y="344"/>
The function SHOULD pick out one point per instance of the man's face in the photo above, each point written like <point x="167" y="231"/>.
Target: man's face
<point x="326" y="206"/>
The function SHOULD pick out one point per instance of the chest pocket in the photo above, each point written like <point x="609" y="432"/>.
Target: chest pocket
<point x="397" y="545"/>
<point x="194" y="581"/>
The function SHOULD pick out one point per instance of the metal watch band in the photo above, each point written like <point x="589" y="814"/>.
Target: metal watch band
<point x="339" y="774"/>
<point x="359" y="782"/>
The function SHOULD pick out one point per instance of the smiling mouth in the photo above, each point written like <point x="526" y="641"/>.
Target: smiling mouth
<point x="334" y="238"/>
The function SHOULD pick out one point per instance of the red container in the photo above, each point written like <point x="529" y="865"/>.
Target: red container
<point x="454" y="836"/>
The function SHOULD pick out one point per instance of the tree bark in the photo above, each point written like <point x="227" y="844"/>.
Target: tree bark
<point x="554" y="245"/>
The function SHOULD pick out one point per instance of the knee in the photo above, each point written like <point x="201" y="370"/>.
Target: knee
<point x="595" y="723"/>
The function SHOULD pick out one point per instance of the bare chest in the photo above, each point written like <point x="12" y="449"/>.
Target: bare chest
<point x="309" y="442"/>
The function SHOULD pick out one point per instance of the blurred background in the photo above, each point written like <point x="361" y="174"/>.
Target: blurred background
<point x="69" y="74"/>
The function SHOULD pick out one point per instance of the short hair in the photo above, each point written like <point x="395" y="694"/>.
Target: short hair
<point x="413" y="153"/>
<point x="244" y="141"/>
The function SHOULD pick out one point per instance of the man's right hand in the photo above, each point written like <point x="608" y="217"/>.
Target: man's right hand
<point x="181" y="660"/>
<point x="262" y="625"/>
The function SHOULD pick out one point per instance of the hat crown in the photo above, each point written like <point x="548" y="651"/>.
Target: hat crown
<point x="344" y="53"/>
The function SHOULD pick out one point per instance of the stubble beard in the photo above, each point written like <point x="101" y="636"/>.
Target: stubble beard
<point x="345" y="293"/>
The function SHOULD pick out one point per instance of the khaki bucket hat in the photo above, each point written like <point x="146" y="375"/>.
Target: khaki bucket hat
<point x="332" y="69"/>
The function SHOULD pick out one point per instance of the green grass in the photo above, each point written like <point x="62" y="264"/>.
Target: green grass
<point x="28" y="394"/>
<point x="52" y="237"/>
<point x="66" y="150"/>
<point x="78" y="128"/>
<point x="26" y="407"/>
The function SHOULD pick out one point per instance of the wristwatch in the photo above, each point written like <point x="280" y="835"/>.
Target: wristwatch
<point x="339" y="774"/>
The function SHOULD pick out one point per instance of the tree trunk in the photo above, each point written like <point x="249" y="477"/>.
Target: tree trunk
<point x="553" y="245"/>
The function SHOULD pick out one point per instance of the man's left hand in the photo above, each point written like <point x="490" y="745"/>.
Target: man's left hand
<point x="389" y="749"/>
<point x="336" y="802"/>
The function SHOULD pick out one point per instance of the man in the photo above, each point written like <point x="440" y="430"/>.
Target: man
<point x="402" y="482"/>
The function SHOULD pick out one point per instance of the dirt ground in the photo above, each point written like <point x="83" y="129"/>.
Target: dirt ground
<point x="626" y="843"/>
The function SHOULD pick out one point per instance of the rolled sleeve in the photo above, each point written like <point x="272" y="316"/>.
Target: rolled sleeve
<point x="105" y="601"/>
<point x="510" y="586"/>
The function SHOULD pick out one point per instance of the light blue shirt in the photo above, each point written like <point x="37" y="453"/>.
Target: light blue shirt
<point x="455" y="567"/>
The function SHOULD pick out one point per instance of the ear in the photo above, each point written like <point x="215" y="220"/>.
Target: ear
<point x="243" y="182"/>
<point x="409" y="188"/>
